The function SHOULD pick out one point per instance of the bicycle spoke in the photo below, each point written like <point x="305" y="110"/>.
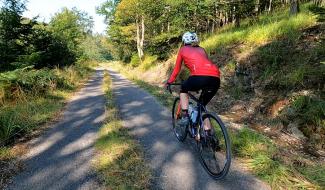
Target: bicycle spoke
<point x="215" y="148"/>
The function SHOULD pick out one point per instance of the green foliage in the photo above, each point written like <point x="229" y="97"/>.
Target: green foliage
<point x="314" y="173"/>
<point x="165" y="21"/>
<point x="163" y="44"/>
<point x="11" y="28"/>
<point x="93" y="48"/>
<point x="269" y="27"/>
<point x="148" y="62"/>
<point x="311" y="109"/>
<point x="21" y="118"/>
<point x="25" y="42"/>
<point x="135" y="60"/>
<point x="29" y="97"/>
<point x="319" y="11"/>
<point x="71" y="26"/>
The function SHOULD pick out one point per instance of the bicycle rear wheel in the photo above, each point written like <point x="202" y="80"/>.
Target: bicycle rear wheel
<point x="214" y="149"/>
<point x="179" y="131"/>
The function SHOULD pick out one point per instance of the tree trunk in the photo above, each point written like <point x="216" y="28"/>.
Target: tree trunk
<point x="319" y="3"/>
<point x="207" y="26"/>
<point x="237" y="16"/>
<point x="226" y="18"/>
<point x="294" y="7"/>
<point x="212" y="27"/>
<point x="140" y="38"/>
<point x="257" y="7"/>
<point x="270" y="5"/>
<point x="237" y="20"/>
<point x="168" y="26"/>
<point x="221" y="19"/>
<point x="138" y="35"/>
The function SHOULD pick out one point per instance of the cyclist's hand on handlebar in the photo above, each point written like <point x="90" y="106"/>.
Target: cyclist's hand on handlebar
<point x="167" y="86"/>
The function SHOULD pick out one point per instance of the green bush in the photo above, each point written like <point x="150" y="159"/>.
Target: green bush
<point x="148" y="62"/>
<point x="135" y="60"/>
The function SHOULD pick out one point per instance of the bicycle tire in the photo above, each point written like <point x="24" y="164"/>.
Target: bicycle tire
<point x="213" y="148"/>
<point x="179" y="132"/>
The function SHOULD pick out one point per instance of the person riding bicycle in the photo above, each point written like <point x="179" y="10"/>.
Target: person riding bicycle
<point x="205" y="75"/>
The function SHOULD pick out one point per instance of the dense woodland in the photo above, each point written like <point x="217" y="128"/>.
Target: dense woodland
<point x="155" y="26"/>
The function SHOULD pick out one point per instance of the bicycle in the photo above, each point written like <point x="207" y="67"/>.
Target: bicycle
<point x="214" y="150"/>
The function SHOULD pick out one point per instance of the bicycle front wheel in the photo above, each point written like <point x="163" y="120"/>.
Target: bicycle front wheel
<point x="214" y="149"/>
<point x="179" y="131"/>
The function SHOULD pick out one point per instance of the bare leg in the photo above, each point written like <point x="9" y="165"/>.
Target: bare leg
<point x="207" y="124"/>
<point x="184" y="101"/>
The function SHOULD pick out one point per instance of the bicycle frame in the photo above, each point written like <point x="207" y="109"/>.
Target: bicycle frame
<point x="201" y="108"/>
<point x="205" y="142"/>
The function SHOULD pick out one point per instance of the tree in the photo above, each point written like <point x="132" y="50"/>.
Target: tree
<point x="108" y="9"/>
<point x="72" y="26"/>
<point x="10" y="32"/>
<point x="294" y="7"/>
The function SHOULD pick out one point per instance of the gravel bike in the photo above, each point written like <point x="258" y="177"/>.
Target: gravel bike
<point x="214" y="149"/>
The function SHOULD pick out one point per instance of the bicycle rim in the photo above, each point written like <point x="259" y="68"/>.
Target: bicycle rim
<point x="214" y="150"/>
<point x="180" y="132"/>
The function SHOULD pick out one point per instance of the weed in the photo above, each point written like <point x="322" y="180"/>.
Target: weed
<point x="314" y="173"/>
<point x="230" y="66"/>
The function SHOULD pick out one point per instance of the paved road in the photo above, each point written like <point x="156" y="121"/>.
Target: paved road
<point x="175" y="164"/>
<point x="61" y="158"/>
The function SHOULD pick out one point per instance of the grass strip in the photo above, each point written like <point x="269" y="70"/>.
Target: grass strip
<point x="120" y="159"/>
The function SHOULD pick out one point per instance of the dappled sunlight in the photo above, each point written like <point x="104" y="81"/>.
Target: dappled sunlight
<point x="176" y="165"/>
<point x="64" y="153"/>
<point x="182" y="162"/>
<point x="75" y="146"/>
<point x="45" y="146"/>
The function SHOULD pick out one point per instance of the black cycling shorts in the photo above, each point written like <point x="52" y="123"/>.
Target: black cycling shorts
<point x="208" y="84"/>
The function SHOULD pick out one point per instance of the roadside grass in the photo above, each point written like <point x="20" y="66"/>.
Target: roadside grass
<point x="21" y="118"/>
<point x="120" y="159"/>
<point x="36" y="96"/>
<point x="31" y="104"/>
<point x="259" y="154"/>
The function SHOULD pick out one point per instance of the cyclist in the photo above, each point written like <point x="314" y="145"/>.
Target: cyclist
<point x="204" y="76"/>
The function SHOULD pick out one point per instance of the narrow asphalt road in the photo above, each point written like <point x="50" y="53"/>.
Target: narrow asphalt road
<point x="175" y="165"/>
<point x="61" y="157"/>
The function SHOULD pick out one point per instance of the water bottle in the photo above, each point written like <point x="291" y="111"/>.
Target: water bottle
<point x="190" y="109"/>
<point x="194" y="114"/>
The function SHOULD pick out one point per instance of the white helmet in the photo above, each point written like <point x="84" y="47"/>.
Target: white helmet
<point x="190" y="37"/>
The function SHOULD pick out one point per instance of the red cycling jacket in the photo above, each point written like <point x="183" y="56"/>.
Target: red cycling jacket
<point x="197" y="61"/>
